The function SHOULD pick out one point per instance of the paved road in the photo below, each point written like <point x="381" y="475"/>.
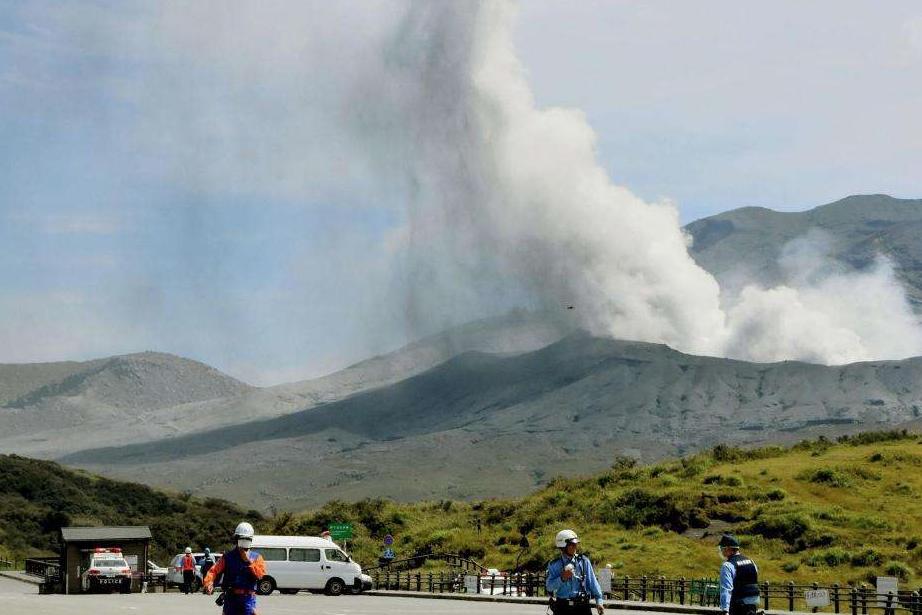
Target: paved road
<point x="18" y="598"/>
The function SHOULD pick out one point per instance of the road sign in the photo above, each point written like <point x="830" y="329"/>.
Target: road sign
<point x="817" y="598"/>
<point x="388" y="554"/>
<point x="341" y="531"/>
<point x="388" y="540"/>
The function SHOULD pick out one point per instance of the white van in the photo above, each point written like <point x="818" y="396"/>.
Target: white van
<point x="294" y="563"/>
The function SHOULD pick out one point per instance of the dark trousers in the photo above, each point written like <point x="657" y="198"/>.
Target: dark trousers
<point x="188" y="576"/>
<point x="560" y="607"/>
<point x="743" y="609"/>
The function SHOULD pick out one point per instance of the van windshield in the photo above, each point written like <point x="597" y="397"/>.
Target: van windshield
<point x="335" y="555"/>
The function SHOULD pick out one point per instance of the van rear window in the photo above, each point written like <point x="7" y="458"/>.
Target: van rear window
<point x="304" y="555"/>
<point x="271" y="554"/>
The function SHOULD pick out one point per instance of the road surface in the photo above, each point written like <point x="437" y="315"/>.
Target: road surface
<point x="17" y="598"/>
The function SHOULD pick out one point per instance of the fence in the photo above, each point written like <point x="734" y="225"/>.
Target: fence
<point x="452" y="559"/>
<point x="6" y="564"/>
<point x="854" y="600"/>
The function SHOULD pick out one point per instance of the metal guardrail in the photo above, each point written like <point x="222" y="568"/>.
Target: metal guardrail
<point x="856" y="600"/>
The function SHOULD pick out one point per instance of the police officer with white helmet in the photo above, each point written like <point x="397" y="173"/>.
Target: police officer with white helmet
<point x="571" y="581"/>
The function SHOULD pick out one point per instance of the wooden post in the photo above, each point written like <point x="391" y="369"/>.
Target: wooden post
<point x="765" y="597"/>
<point x="790" y="595"/>
<point x="816" y="586"/>
<point x="835" y="596"/>
<point x="627" y="588"/>
<point x="853" y="599"/>
<point x="682" y="590"/>
<point x="864" y="599"/>
<point x="889" y="609"/>
<point x="643" y="588"/>
<point x="430" y="582"/>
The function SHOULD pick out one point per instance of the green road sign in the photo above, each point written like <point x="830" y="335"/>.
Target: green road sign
<point x="341" y="531"/>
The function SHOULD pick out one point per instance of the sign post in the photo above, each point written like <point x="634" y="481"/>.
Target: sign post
<point x="817" y="598"/>
<point x="885" y="585"/>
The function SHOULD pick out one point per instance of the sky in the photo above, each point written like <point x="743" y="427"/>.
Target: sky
<point x="179" y="177"/>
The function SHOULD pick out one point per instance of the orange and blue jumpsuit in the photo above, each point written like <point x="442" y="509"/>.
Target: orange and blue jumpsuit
<point x="242" y="570"/>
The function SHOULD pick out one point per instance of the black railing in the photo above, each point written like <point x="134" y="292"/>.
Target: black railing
<point x="452" y="559"/>
<point x="853" y="600"/>
<point x="6" y="564"/>
<point x="47" y="568"/>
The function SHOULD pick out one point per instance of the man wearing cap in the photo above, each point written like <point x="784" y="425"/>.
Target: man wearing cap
<point x="739" y="579"/>
<point x="571" y="580"/>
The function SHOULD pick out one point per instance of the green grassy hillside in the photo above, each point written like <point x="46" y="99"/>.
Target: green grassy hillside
<point x="37" y="498"/>
<point x="819" y="511"/>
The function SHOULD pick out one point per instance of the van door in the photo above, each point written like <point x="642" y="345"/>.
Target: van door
<point x="306" y="569"/>
<point x="337" y="565"/>
<point x="277" y="565"/>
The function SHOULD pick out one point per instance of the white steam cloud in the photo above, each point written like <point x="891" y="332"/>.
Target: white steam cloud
<point x="508" y="202"/>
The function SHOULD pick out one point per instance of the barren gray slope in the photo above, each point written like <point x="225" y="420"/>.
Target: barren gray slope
<point x="70" y="423"/>
<point x="482" y="425"/>
<point x="747" y="242"/>
<point x="80" y="399"/>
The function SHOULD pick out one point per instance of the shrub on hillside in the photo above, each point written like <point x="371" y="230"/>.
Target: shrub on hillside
<point x="639" y="507"/>
<point x="899" y="570"/>
<point x="830" y="557"/>
<point x="825" y="476"/>
<point x="868" y="557"/>
<point x="872" y="437"/>
<point x="788" y="527"/>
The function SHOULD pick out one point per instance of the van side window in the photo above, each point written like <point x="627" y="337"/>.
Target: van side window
<point x="304" y="555"/>
<point x="271" y="554"/>
<point x="335" y="555"/>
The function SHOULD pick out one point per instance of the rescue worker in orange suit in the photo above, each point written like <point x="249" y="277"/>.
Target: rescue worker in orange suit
<point x="187" y="563"/>
<point x="240" y="571"/>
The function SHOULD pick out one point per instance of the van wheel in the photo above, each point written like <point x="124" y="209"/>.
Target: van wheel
<point x="335" y="587"/>
<point x="265" y="586"/>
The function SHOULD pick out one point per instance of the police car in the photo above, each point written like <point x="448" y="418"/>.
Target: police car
<point x="106" y="570"/>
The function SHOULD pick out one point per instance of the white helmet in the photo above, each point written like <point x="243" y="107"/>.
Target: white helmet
<point x="188" y="549"/>
<point x="564" y="537"/>
<point x="244" y="530"/>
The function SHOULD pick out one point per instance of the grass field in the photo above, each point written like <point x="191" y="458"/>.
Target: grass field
<point x="842" y="511"/>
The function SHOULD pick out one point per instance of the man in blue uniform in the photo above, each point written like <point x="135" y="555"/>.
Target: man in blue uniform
<point x="571" y="580"/>
<point x="739" y="579"/>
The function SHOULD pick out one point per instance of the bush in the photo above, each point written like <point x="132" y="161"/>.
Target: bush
<point x="788" y="527"/>
<point x="899" y="570"/>
<point x="831" y="558"/>
<point x="790" y="567"/>
<point x="868" y="557"/>
<point x="719" y="479"/>
<point x="826" y="476"/>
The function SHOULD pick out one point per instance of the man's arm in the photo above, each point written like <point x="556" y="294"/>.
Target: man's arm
<point x="554" y="581"/>
<point x="592" y="583"/>
<point x="727" y="574"/>
<point x="213" y="572"/>
<point x="258" y="567"/>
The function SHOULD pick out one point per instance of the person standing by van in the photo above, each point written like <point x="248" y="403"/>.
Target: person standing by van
<point x="187" y="563"/>
<point x="205" y="565"/>
<point x="242" y="570"/>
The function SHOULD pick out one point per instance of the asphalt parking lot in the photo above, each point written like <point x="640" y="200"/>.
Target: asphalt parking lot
<point x="17" y="598"/>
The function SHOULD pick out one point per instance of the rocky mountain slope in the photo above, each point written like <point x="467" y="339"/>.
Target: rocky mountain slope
<point x="748" y="243"/>
<point x="56" y="408"/>
<point x="484" y="425"/>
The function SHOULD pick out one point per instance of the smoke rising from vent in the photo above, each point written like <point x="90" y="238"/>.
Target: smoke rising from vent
<point x="507" y="203"/>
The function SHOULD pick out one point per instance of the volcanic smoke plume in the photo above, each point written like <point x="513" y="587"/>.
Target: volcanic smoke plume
<point x="507" y="203"/>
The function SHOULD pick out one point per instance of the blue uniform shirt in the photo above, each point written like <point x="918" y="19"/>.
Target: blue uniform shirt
<point x="727" y="576"/>
<point x="588" y="585"/>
